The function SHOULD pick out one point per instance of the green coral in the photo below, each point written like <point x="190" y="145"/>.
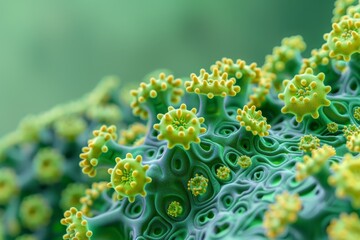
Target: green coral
<point x="128" y="177"/>
<point x="48" y="165"/>
<point x="344" y="39"/>
<point x="70" y="127"/>
<point x="89" y="197"/>
<point x="223" y="173"/>
<point x="244" y="161"/>
<point x="35" y="212"/>
<point x="8" y="185"/>
<point x="346" y="227"/>
<point x="313" y="164"/>
<point x="253" y="121"/>
<point x="135" y="135"/>
<point x="71" y="195"/>
<point x="281" y="213"/>
<point x="341" y="7"/>
<point x="214" y="84"/>
<point x="357" y="113"/>
<point x="304" y="95"/>
<point x="109" y="113"/>
<point x="350" y="130"/>
<point x="156" y="88"/>
<point x="180" y="127"/>
<point x="95" y="148"/>
<point x="308" y="143"/>
<point x="77" y="226"/>
<point x="353" y="142"/>
<point x="198" y="185"/>
<point x="174" y="209"/>
<point x="332" y="127"/>
<point x="284" y="61"/>
<point x="238" y="69"/>
<point x="346" y="178"/>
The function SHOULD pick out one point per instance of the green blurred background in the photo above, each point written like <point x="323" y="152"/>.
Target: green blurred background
<point x="52" y="52"/>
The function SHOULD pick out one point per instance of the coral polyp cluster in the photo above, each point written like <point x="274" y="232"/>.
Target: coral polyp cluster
<point x="344" y="39"/>
<point x="345" y="179"/>
<point x="283" y="212"/>
<point x="128" y="177"/>
<point x="180" y="127"/>
<point x="214" y="84"/>
<point x="304" y="95"/>
<point x="95" y="148"/>
<point x="236" y="152"/>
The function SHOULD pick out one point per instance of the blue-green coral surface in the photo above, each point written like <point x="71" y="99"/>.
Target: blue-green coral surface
<point x="236" y="151"/>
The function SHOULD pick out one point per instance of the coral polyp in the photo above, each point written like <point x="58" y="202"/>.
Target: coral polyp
<point x="304" y="95"/>
<point x="344" y="39"/>
<point x="180" y="127"/>
<point x="77" y="226"/>
<point x="345" y="179"/>
<point x="214" y="84"/>
<point x="198" y="185"/>
<point x="235" y="152"/>
<point x="253" y="121"/>
<point x="95" y="148"/>
<point x="308" y="143"/>
<point x="282" y="213"/>
<point x="128" y="177"/>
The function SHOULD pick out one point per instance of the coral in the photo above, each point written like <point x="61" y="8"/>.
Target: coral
<point x="346" y="227"/>
<point x="77" y="227"/>
<point x="214" y="84"/>
<point x="223" y="173"/>
<point x="344" y="39"/>
<point x="357" y="113"/>
<point x="155" y="90"/>
<point x="238" y="70"/>
<point x="180" y="127"/>
<point x="341" y="7"/>
<point x="281" y="213"/>
<point x="332" y="127"/>
<point x="313" y="164"/>
<point x="253" y="121"/>
<point x="244" y="161"/>
<point x="187" y="174"/>
<point x="198" y="185"/>
<point x="91" y="195"/>
<point x="346" y="178"/>
<point x="71" y="195"/>
<point x="285" y="60"/>
<point x="39" y="162"/>
<point x="96" y="147"/>
<point x="70" y="127"/>
<point x="135" y="135"/>
<point x="174" y="209"/>
<point x="308" y="143"/>
<point x="109" y="113"/>
<point x="350" y="130"/>
<point x="128" y="177"/>
<point x="35" y="212"/>
<point x="48" y="165"/>
<point x="353" y="142"/>
<point x="261" y="91"/>
<point x="304" y="95"/>
<point x="8" y="185"/>
<point x="245" y="76"/>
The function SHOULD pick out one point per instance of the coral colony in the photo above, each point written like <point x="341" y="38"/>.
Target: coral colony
<point x="236" y="151"/>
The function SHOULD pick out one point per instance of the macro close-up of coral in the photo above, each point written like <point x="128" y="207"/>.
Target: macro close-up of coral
<point x="234" y="150"/>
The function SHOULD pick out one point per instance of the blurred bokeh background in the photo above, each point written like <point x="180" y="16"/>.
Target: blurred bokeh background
<point x="52" y="52"/>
